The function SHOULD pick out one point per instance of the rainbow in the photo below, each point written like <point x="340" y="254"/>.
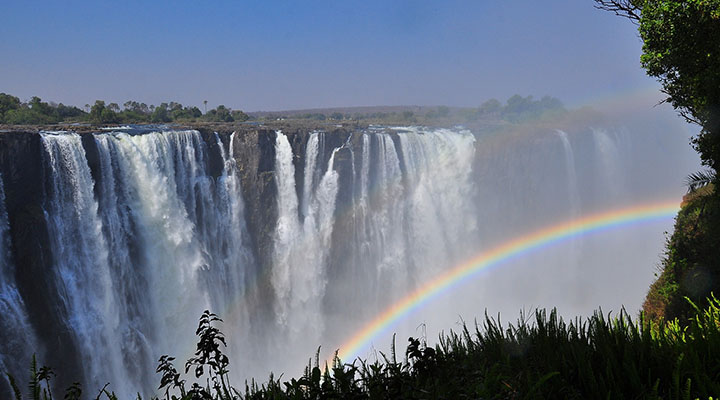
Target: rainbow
<point x="504" y="252"/>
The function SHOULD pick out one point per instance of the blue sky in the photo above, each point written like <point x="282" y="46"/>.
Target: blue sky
<point x="274" y="55"/>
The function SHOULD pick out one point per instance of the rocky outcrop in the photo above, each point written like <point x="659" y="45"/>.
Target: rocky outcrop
<point x="23" y="173"/>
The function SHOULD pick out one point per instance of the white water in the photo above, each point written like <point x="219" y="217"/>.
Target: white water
<point x="610" y="163"/>
<point x="82" y="267"/>
<point x="166" y="242"/>
<point x="302" y="246"/>
<point x="157" y="239"/>
<point x="410" y="216"/>
<point x="572" y="186"/>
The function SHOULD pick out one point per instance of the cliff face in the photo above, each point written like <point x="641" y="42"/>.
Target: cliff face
<point x="254" y="152"/>
<point x="690" y="268"/>
<point x="295" y="235"/>
<point x="26" y="175"/>
<point x="24" y="178"/>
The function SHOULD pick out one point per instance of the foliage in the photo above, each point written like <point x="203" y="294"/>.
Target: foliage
<point x="490" y="107"/>
<point x="220" y="114"/>
<point x="699" y="179"/>
<point x="546" y="358"/>
<point x="689" y="268"/>
<point x="37" y="112"/>
<point x="100" y="114"/>
<point x="538" y="357"/>
<point x="7" y="103"/>
<point x="519" y="109"/>
<point x="160" y="114"/>
<point x="12" y="111"/>
<point x="681" y="49"/>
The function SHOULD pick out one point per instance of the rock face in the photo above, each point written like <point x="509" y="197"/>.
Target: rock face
<point x="24" y="178"/>
<point x="26" y="173"/>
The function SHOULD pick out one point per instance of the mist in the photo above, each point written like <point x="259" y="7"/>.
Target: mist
<point x="299" y="238"/>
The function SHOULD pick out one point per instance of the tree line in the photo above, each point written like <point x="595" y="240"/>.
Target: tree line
<point x="516" y="109"/>
<point x="37" y="112"/>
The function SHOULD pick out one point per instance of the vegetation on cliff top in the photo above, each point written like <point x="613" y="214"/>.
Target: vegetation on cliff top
<point x="36" y="112"/>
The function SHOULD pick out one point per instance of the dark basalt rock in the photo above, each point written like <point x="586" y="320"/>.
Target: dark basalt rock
<point x="26" y="177"/>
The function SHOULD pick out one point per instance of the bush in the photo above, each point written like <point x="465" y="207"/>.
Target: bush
<point x="600" y="357"/>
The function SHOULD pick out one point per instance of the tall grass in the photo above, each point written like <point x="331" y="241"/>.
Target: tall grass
<point x="540" y="356"/>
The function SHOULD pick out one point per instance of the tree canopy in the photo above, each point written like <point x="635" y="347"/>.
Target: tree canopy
<point x="681" y="48"/>
<point x="35" y="111"/>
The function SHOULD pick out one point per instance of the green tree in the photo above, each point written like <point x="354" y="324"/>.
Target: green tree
<point x="220" y="114"/>
<point x="160" y="114"/>
<point x="681" y="47"/>
<point x="102" y="114"/>
<point x="7" y="103"/>
<point x="68" y="112"/>
<point x="41" y="107"/>
<point x="96" y="112"/>
<point x="109" y="116"/>
<point x="240" y="116"/>
<point x="490" y="107"/>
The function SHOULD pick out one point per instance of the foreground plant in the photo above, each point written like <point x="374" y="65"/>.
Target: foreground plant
<point x="540" y="357"/>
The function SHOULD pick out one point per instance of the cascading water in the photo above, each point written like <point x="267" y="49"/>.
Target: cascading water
<point x="571" y="255"/>
<point x="609" y="162"/>
<point x="81" y="257"/>
<point x="148" y="229"/>
<point x="301" y="246"/>
<point x="191" y="244"/>
<point x="141" y="252"/>
<point x="572" y="179"/>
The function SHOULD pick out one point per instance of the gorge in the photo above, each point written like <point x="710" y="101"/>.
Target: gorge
<point x="113" y="242"/>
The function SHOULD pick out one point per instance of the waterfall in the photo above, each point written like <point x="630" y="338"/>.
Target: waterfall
<point x="572" y="185"/>
<point x="162" y="241"/>
<point x="82" y="268"/>
<point x="609" y="162"/>
<point x="288" y="227"/>
<point x="571" y="256"/>
<point x="302" y="247"/>
<point x="386" y="221"/>
<point x="226" y="237"/>
<point x="295" y="239"/>
<point x="410" y="215"/>
<point x="442" y="221"/>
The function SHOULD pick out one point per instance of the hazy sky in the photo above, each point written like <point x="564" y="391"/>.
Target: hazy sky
<point x="274" y="55"/>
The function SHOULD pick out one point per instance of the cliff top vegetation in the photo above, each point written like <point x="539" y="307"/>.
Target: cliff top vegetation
<point x="516" y="109"/>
